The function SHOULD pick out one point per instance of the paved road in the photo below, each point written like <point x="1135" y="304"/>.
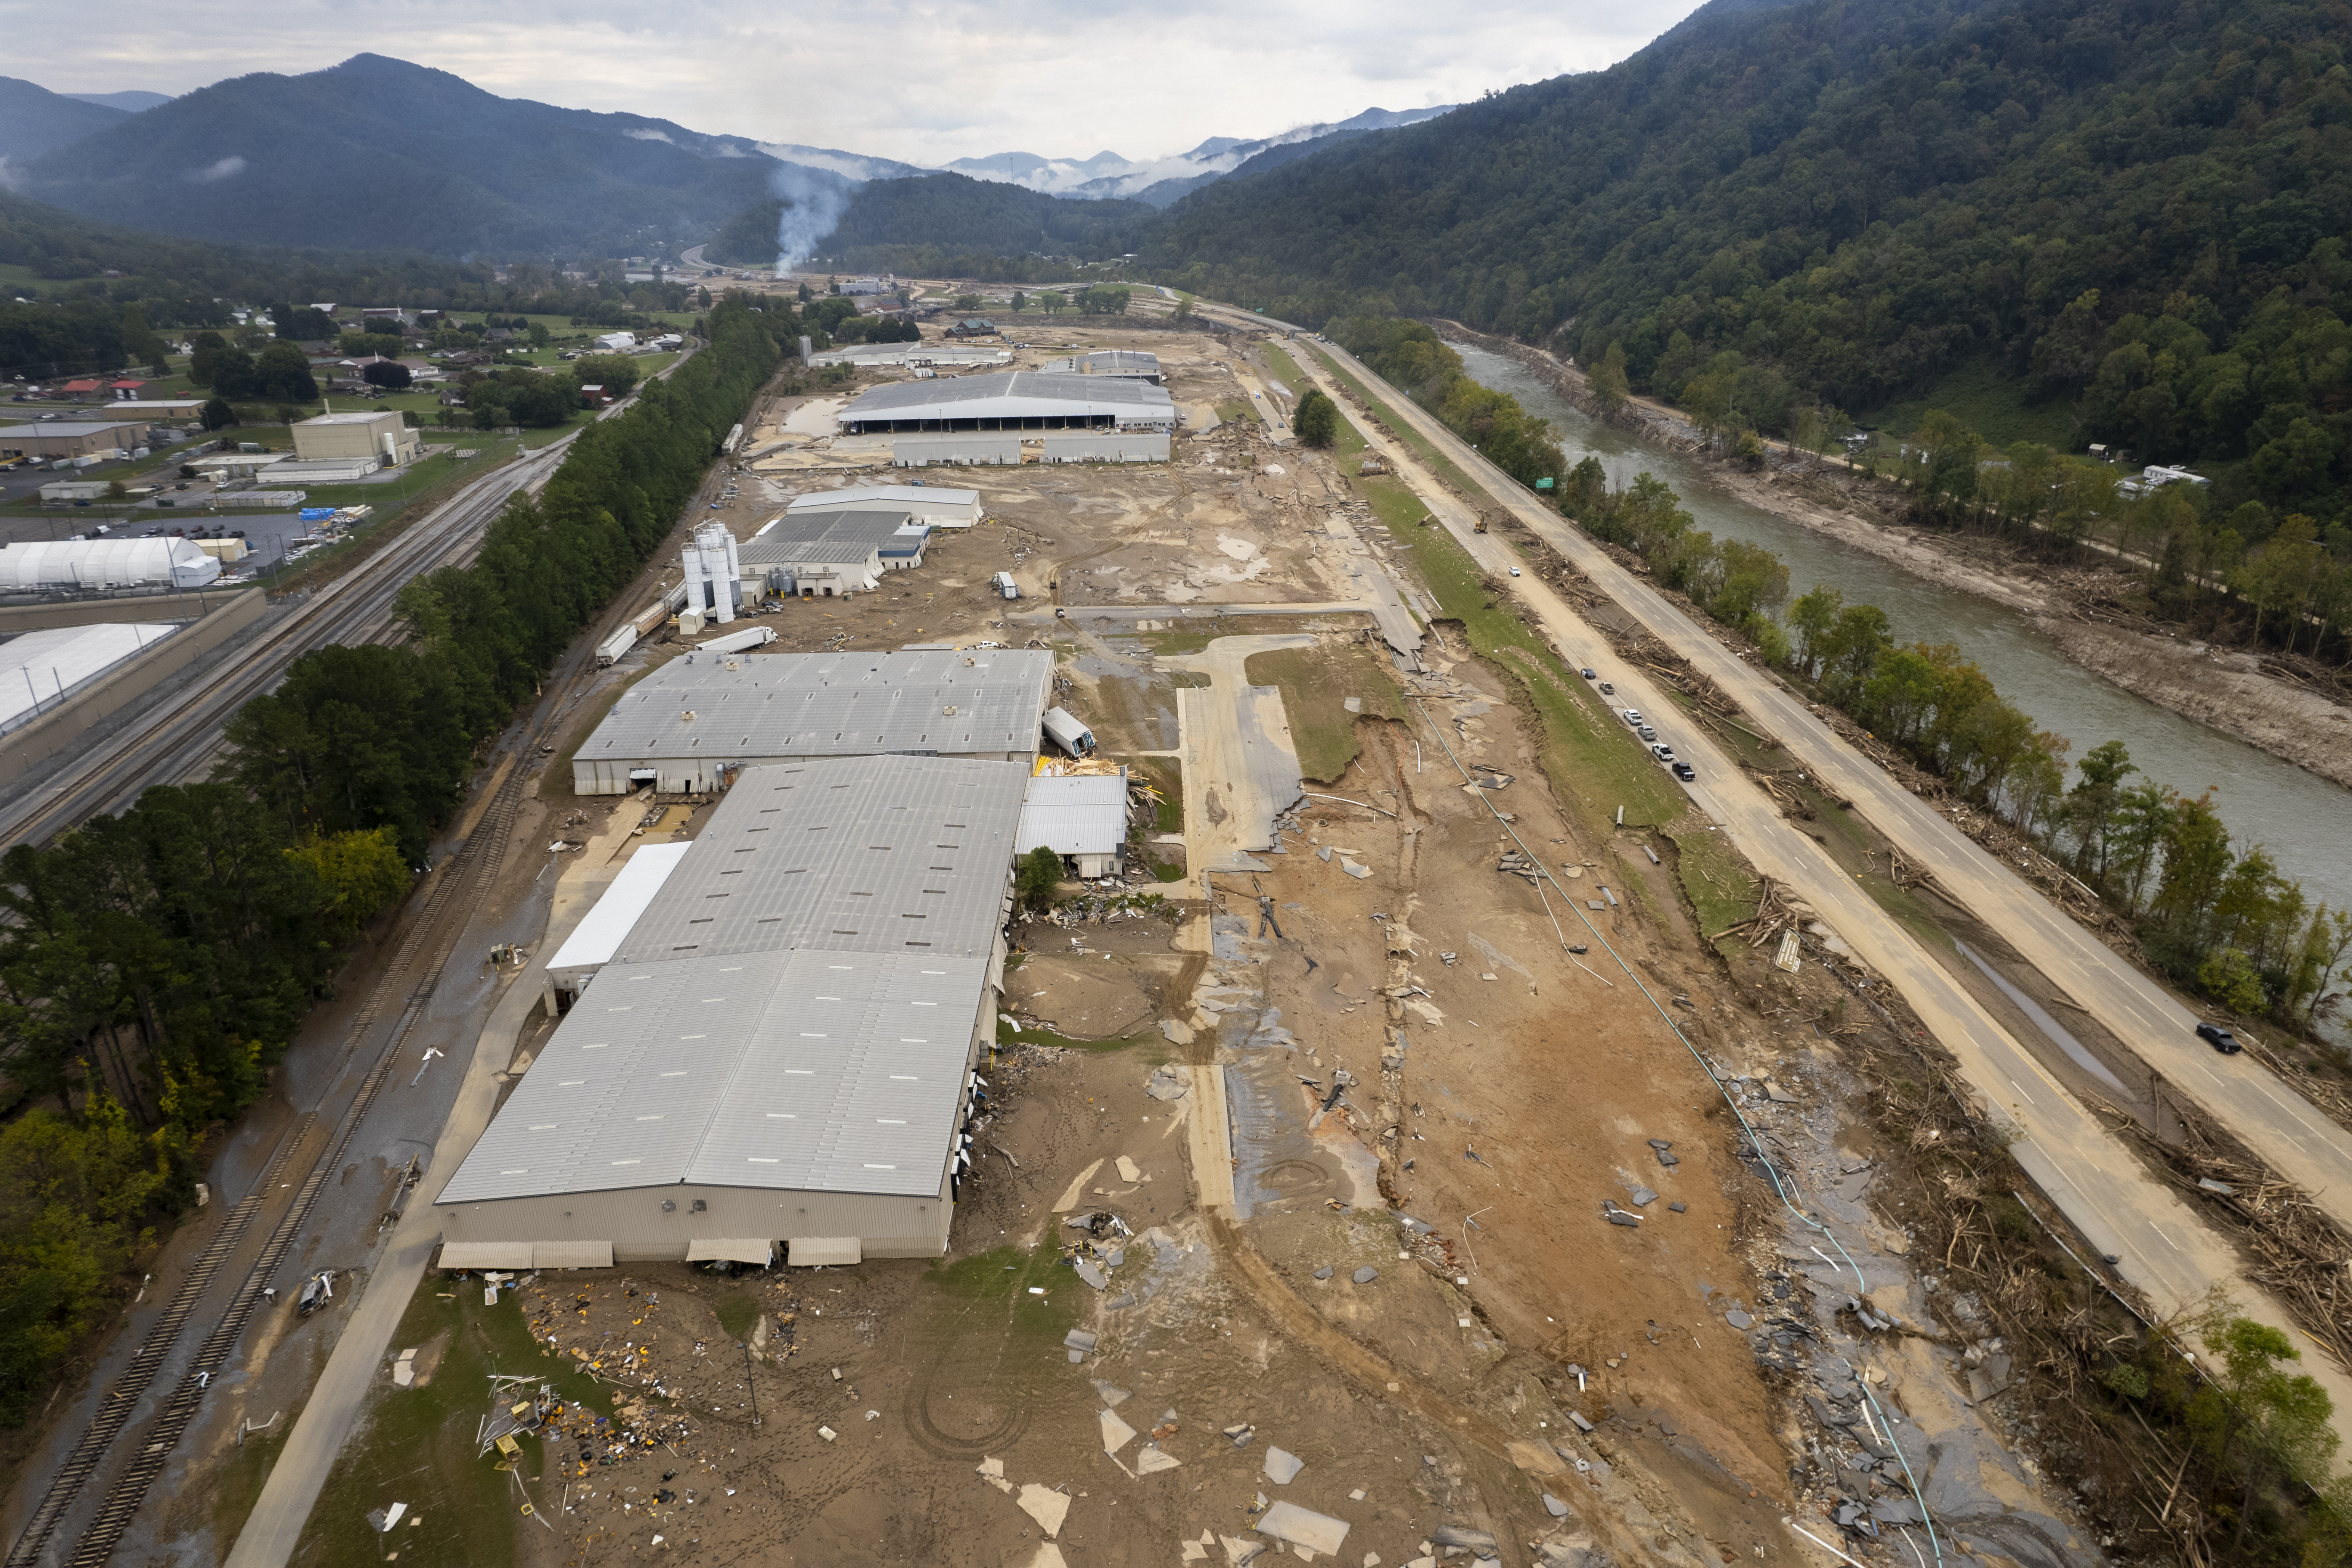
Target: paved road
<point x="2279" y="1125"/>
<point x="1240" y="770"/>
<point x="2167" y="1249"/>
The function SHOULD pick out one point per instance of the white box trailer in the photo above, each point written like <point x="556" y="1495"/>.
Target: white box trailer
<point x="737" y="642"/>
<point x="1064" y="730"/>
<point x="614" y="646"/>
<point x="1004" y="583"/>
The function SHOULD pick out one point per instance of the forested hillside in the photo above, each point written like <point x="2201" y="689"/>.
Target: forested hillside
<point x="376" y="154"/>
<point x="957" y="213"/>
<point x="96" y="276"/>
<point x="2127" y="213"/>
<point x="33" y="119"/>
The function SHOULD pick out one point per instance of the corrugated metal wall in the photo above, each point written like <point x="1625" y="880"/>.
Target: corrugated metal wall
<point x="982" y="446"/>
<point x="641" y="1230"/>
<point x="1108" y="447"/>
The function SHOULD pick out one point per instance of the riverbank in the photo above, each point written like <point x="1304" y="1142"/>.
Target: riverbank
<point x="2223" y="691"/>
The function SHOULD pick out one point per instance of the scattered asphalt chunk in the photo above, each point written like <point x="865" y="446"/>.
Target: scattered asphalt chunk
<point x="1739" y="1319"/>
<point x="1079" y="1340"/>
<point x="1367" y="1274"/>
<point x="1090" y="1274"/>
<point x="1679" y="1206"/>
<point x="1324" y="1272"/>
<point x="1478" y="1541"/>
<point x="1554" y="1507"/>
<point x="1581" y="1424"/>
<point x="1643" y="1195"/>
<point x="1668" y="1157"/>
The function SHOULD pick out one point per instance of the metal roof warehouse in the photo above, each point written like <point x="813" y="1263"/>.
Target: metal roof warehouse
<point x="782" y="1047"/>
<point x="1014" y="400"/>
<point x="683" y="727"/>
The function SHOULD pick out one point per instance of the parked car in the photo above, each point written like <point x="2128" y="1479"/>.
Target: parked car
<point x="1514" y="570"/>
<point x="2220" y="1038"/>
<point x="1586" y="673"/>
<point x="1633" y="717"/>
<point x="1661" y="750"/>
<point x="1647" y="733"/>
<point x="1685" y="771"/>
<point x="1607" y="689"/>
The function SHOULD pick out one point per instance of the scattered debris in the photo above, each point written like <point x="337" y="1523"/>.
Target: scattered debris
<point x="1281" y="1466"/>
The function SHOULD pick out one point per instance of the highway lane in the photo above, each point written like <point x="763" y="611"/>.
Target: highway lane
<point x="2277" y="1124"/>
<point x="183" y="732"/>
<point x="2166" y="1247"/>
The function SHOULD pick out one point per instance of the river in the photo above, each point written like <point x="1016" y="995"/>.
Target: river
<point x="2304" y="821"/>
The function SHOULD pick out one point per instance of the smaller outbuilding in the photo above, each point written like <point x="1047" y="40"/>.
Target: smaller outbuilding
<point x="1120" y="364"/>
<point x="1082" y="818"/>
<point x="66" y="438"/>
<point x="940" y="506"/>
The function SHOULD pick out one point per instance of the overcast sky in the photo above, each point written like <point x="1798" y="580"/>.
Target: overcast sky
<point x="922" y="82"/>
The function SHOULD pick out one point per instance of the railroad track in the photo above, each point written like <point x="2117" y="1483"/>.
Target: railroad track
<point x="113" y="1410"/>
<point x="476" y="865"/>
<point x="184" y="731"/>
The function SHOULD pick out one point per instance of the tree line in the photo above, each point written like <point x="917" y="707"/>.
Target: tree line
<point x="2226" y="922"/>
<point x="155" y="965"/>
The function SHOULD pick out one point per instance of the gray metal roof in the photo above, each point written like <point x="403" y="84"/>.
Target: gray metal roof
<point x="795" y="1008"/>
<point x="1012" y="395"/>
<point x="829" y="704"/>
<point x="827" y="1071"/>
<point x="1085" y="813"/>
<point x="72" y="427"/>
<point x="916" y="497"/>
<point x="790" y="536"/>
<point x="848" y="853"/>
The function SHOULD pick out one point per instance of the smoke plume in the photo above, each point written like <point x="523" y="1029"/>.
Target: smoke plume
<point x="813" y="203"/>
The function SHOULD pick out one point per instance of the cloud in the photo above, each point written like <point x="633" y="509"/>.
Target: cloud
<point x="648" y="136"/>
<point x="13" y="177"/>
<point x="228" y="168"/>
<point x="1059" y="77"/>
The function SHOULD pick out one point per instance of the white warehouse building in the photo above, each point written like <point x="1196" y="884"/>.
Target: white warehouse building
<point x="688" y="727"/>
<point x="105" y="565"/>
<point x="782" y="1050"/>
<point x="1013" y="400"/>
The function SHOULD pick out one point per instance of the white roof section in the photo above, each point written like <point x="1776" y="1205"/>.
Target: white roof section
<point x="879" y="497"/>
<point x="829" y="704"/>
<point x="1085" y="813"/>
<point x="1012" y="395"/>
<point x="41" y="668"/>
<point x="796" y="1006"/>
<point x="166" y="563"/>
<point x="375" y="416"/>
<point x="599" y="933"/>
<point x="815" y="1070"/>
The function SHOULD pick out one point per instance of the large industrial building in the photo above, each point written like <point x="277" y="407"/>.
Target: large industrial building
<point x="382" y="435"/>
<point x="688" y="726"/>
<point x="70" y="439"/>
<point x="104" y="566"/>
<point x="1119" y="365"/>
<point x="1014" y="400"/>
<point x="782" y="1048"/>
<point x="942" y="506"/>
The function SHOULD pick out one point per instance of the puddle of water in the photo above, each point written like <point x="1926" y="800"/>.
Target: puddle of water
<point x="2074" y="1050"/>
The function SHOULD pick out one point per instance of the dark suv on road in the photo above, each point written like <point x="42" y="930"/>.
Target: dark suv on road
<point x="2220" y="1038"/>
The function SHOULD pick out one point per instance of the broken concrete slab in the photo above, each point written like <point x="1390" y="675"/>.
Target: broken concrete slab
<point x="1080" y="1339"/>
<point x="1151" y="1461"/>
<point x="1091" y="1275"/>
<point x="1554" y="1507"/>
<point x="1739" y="1319"/>
<point x="1305" y="1526"/>
<point x="1358" y="871"/>
<point x="1366" y="1275"/>
<point x="1116" y="1433"/>
<point x="1581" y="1424"/>
<point x="1281" y="1466"/>
<point x="1045" y="1505"/>
<point x="1324" y="1272"/>
<point x="1324" y="854"/>
<point x="1169" y="1082"/>
<point x="1643" y="1195"/>
<point x="1477" y="1540"/>
<point x="1112" y="1398"/>
<point x="1678" y="1207"/>
<point x="1128" y="1170"/>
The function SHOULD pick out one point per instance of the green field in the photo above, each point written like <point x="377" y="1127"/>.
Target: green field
<point x="1316" y="683"/>
<point x="1994" y="405"/>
